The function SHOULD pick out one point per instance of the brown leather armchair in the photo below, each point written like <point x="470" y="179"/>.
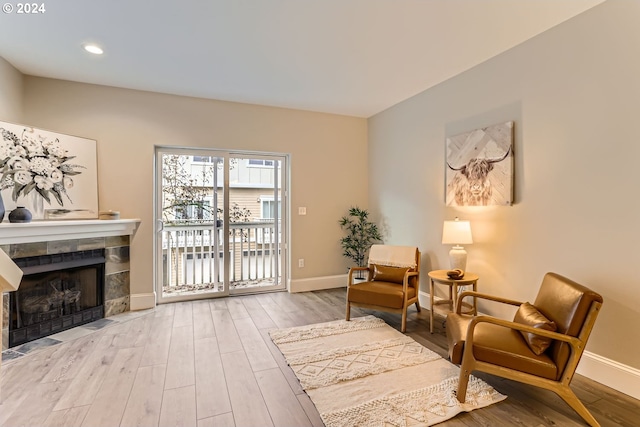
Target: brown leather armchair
<point x="390" y="286"/>
<point x="541" y="347"/>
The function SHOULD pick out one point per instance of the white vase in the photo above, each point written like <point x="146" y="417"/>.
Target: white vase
<point x="35" y="203"/>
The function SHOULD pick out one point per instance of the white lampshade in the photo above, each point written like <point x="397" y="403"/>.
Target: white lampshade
<point x="10" y="273"/>
<point x="457" y="233"/>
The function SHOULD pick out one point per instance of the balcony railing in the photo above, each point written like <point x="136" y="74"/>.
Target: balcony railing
<point x="193" y="255"/>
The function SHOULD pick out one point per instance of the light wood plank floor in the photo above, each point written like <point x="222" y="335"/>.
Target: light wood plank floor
<point x="211" y="363"/>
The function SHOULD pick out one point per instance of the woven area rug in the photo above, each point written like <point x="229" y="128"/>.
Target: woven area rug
<point x="365" y="373"/>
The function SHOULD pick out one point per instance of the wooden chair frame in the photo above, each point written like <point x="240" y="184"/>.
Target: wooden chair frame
<point x="560" y="387"/>
<point x="405" y="286"/>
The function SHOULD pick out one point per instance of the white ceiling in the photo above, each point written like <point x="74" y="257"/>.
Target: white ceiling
<point x="353" y="57"/>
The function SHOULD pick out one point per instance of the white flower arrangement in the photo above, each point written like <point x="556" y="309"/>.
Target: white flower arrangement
<point x="29" y="163"/>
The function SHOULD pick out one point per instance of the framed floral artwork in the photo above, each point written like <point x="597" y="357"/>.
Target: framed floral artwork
<point x="53" y="175"/>
<point x="479" y="167"/>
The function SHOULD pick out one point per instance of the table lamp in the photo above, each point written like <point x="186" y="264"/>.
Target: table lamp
<point x="457" y="233"/>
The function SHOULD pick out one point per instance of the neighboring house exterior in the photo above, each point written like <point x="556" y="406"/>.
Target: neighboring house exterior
<point x="251" y="188"/>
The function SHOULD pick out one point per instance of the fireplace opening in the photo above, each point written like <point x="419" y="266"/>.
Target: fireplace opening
<point x="57" y="292"/>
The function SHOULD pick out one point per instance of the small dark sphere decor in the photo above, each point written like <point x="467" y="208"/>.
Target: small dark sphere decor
<point x="20" y="215"/>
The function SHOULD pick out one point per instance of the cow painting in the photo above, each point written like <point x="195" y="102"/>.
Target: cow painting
<point x="479" y="167"/>
<point x="472" y="186"/>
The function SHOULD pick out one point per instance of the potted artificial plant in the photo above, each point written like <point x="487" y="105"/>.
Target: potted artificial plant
<point x="361" y="234"/>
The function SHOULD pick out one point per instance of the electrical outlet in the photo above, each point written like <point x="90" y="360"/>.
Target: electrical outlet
<point x="301" y="263"/>
<point x="302" y="210"/>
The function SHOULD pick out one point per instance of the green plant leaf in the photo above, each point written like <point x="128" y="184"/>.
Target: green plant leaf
<point x="361" y="234"/>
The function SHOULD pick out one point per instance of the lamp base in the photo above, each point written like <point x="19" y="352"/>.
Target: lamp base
<point x="458" y="258"/>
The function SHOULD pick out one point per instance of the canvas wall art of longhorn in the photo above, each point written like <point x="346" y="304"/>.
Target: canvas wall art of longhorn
<point x="479" y="167"/>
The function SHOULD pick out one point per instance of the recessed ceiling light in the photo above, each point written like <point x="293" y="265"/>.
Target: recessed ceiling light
<point x="92" y="48"/>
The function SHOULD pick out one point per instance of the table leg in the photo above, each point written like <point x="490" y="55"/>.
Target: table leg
<point x="475" y="301"/>
<point x="431" y="299"/>
<point x="454" y="286"/>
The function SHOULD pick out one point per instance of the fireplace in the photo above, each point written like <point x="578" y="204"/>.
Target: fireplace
<point x="57" y="292"/>
<point x="37" y="244"/>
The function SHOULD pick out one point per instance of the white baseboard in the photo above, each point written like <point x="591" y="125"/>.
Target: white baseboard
<point x="622" y="378"/>
<point x="318" y="283"/>
<point x="142" y="301"/>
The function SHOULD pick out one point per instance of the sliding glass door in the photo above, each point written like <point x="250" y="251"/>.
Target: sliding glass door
<point x="220" y="223"/>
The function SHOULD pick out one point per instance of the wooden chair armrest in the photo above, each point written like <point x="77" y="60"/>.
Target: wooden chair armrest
<point x="484" y="296"/>
<point x="573" y="341"/>
<point x="352" y="269"/>
<point x="405" y="282"/>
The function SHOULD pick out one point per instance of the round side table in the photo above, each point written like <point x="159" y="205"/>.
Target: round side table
<point x="440" y="277"/>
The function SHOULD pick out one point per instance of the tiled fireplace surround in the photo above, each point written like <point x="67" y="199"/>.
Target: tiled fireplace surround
<point x="54" y="237"/>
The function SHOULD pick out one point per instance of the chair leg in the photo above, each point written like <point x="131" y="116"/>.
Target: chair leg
<point x="572" y="400"/>
<point x="403" y="328"/>
<point x="463" y="382"/>
<point x="348" y="310"/>
<point x="418" y="306"/>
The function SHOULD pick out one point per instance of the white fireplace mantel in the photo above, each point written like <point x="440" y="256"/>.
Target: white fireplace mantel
<point x="45" y="231"/>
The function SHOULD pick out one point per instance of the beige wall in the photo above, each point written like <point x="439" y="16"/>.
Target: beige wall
<point x="574" y="94"/>
<point x="328" y="157"/>
<point x="10" y="93"/>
